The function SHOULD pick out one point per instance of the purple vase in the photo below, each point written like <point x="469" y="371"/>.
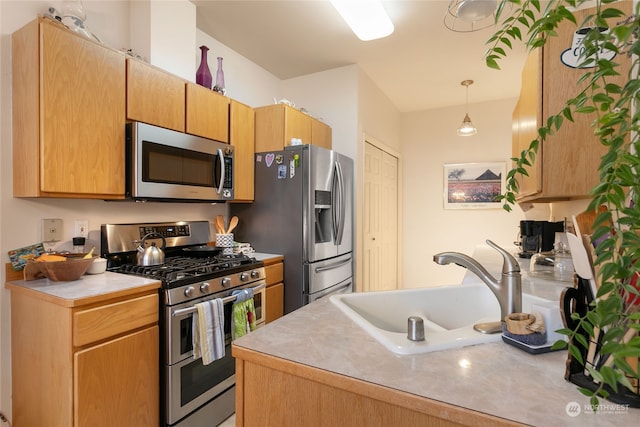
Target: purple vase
<point x="203" y="75"/>
<point x="219" y="87"/>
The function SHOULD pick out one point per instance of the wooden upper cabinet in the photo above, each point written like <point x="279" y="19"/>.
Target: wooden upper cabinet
<point x="321" y="134"/>
<point x="566" y="166"/>
<point x="68" y="114"/>
<point x="527" y="116"/>
<point x="242" y="123"/>
<point x="278" y="124"/>
<point x="207" y="113"/>
<point x="296" y="125"/>
<point x="155" y="96"/>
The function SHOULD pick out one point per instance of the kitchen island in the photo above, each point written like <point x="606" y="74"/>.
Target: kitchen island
<point x="315" y="366"/>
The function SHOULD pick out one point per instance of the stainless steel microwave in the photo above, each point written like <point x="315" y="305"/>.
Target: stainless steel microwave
<point x="163" y="164"/>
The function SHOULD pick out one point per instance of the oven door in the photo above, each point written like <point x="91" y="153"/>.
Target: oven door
<point x="179" y="336"/>
<point x="188" y="383"/>
<point x="191" y="384"/>
<point x="166" y="164"/>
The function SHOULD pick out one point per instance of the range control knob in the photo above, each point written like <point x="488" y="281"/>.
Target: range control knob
<point x="244" y="277"/>
<point x="204" y="288"/>
<point x="255" y="274"/>
<point x="189" y="292"/>
<point x="226" y="281"/>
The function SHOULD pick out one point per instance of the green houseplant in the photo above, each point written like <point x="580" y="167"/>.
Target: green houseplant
<point x="613" y="319"/>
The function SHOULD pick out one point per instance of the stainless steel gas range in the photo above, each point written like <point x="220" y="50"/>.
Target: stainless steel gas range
<point x="192" y="394"/>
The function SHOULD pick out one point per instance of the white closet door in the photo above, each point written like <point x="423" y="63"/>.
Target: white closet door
<point x="380" y="233"/>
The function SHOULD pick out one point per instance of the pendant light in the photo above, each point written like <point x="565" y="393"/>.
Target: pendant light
<point x="465" y="16"/>
<point x="467" y="128"/>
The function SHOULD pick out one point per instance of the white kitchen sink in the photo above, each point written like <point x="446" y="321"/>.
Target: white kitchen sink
<point x="449" y="313"/>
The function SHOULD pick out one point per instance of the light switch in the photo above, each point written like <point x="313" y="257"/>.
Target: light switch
<point x="51" y="230"/>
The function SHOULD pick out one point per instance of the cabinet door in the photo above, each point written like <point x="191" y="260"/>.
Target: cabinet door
<point x="526" y="121"/>
<point x="296" y="125"/>
<point x="207" y="113"/>
<point x="274" y="303"/>
<point x="567" y="163"/>
<point x="320" y="134"/>
<point x="117" y="383"/>
<point x="572" y="156"/>
<point x="155" y="96"/>
<point x="242" y="123"/>
<point x="82" y="104"/>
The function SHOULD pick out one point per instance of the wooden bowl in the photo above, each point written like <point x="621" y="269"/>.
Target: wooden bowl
<point x="62" y="271"/>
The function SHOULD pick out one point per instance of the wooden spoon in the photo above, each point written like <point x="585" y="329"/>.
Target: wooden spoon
<point x="220" y="227"/>
<point x="232" y="224"/>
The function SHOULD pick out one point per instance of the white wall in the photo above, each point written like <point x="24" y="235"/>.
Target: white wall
<point x="429" y="141"/>
<point x="330" y="96"/>
<point x="20" y="219"/>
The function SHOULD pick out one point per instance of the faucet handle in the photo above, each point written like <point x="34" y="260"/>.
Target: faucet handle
<point x="510" y="264"/>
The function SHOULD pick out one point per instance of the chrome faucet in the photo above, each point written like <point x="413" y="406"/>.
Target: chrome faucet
<point x="508" y="290"/>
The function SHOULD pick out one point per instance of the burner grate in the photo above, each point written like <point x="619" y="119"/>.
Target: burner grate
<point x="183" y="268"/>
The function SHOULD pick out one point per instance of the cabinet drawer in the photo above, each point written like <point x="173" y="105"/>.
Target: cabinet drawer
<point x="109" y="320"/>
<point x="274" y="273"/>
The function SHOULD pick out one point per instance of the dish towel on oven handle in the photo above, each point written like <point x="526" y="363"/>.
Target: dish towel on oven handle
<point x="208" y="331"/>
<point x="243" y="313"/>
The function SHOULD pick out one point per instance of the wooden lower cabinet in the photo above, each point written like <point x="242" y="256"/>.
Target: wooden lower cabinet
<point x="86" y="365"/>
<point x="274" y="294"/>
<point x="303" y="395"/>
<point x="115" y="383"/>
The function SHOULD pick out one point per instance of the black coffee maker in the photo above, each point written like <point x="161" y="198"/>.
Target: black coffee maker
<point x="537" y="236"/>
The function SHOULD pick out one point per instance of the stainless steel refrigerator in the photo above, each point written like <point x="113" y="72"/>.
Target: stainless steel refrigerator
<point x="303" y="209"/>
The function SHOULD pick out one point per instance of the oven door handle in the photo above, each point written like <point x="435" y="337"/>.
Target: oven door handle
<point x="225" y="300"/>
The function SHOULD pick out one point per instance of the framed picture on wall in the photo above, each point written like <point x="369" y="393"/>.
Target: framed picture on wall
<point x="474" y="185"/>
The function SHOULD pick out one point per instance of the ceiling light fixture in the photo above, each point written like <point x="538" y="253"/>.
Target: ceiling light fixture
<point x="465" y="16"/>
<point x="367" y="18"/>
<point x="467" y="128"/>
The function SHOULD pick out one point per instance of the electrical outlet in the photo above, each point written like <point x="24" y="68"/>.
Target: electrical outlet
<point x="81" y="228"/>
<point x="51" y="230"/>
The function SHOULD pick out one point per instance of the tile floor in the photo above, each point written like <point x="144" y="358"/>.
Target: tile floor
<point x="229" y="422"/>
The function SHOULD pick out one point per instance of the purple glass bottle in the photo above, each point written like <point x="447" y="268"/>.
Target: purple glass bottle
<point x="203" y="75"/>
<point x="219" y="87"/>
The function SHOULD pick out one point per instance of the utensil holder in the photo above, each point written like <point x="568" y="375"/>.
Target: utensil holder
<point x="225" y="241"/>
<point x="575" y="373"/>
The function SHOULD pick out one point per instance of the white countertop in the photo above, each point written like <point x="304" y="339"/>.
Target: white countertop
<point x="86" y="289"/>
<point x="495" y="378"/>
<point x="262" y="256"/>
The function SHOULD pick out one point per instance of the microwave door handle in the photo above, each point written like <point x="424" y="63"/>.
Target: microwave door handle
<point x="222" y="171"/>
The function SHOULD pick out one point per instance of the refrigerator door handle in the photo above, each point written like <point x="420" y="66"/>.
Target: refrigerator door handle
<point x="334" y="203"/>
<point x="332" y="266"/>
<point x="338" y="204"/>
